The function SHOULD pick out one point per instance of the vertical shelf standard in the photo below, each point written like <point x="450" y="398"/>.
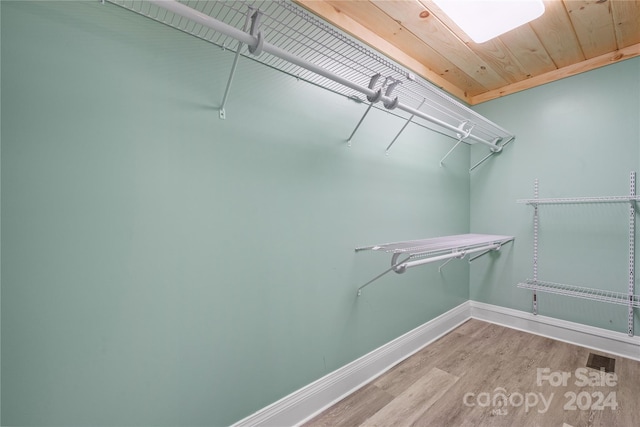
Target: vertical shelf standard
<point x="629" y="298"/>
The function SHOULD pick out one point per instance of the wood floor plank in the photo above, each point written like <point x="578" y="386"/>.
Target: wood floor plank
<point x="472" y="327"/>
<point x="405" y="409"/>
<point x="474" y="398"/>
<point x="354" y="409"/>
<point x="403" y="375"/>
<point x="492" y="364"/>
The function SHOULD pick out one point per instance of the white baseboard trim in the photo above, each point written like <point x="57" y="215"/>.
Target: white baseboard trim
<point x="604" y="340"/>
<point x="312" y="399"/>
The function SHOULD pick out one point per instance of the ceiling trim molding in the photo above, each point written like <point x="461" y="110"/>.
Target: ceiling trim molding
<point x="561" y="73"/>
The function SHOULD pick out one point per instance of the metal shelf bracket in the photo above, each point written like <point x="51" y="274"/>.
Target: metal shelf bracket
<point x="496" y="142"/>
<point x="409" y="120"/>
<point x="372" y="100"/>
<point x="461" y="137"/>
<point x="222" y="114"/>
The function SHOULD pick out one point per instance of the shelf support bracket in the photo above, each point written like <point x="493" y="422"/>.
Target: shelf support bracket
<point x="372" y="100"/>
<point x="222" y="113"/>
<point x="461" y="137"/>
<point x="450" y="151"/>
<point x="496" y="248"/>
<point x="393" y="267"/>
<point x="404" y="127"/>
<point x="441" y="266"/>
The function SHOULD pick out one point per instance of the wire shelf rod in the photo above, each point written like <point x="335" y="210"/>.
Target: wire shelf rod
<point x="579" y="200"/>
<point x="427" y="251"/>
<point x="414" y="263"/>
<point x="582" y="292"/>
<point x="317" y="42"/>
<point x="456" y="253"/>
<point x="431" y="245"/>
<point x="206" y="20"/>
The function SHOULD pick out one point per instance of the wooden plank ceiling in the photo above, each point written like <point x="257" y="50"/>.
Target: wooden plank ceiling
<point x="571" y="37"/>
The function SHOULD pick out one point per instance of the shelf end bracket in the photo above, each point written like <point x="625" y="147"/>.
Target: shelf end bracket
<point x="222" y="114"/>
<point x="393" y="267"/>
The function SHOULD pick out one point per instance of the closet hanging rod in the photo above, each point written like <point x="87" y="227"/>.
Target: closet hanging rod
<point x="258" y="45"/>
<point x="456" y="254"/>
<point x="408" y="264"/>
<point x="426" y="251"/>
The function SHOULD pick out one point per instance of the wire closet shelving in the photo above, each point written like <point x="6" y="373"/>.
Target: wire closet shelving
<point x="628" y="298"/>
<point x="284" y="36"/>
<point x="425" y="251"/>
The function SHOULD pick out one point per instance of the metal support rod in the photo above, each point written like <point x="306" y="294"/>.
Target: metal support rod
<point x="381" y="274"/>
<point x="496" y="248"/>
<point x="359" y="123"/>
<point x="226" y="91"/>
<point x="367" y="248"/>
<point x="450" y="151"/>
<point x="372" y="100"/>
<point x="632" y="252"/>
<point x="486" y="248"/>
<point x="461" y="137"/>
<point x="233" y="67"/>
<point x="405" y="125"/>
<point x="254" y="42"/>
<point x="535" y="245"/>
<point x="481" y="161"/>
<point x="441" y="266"/>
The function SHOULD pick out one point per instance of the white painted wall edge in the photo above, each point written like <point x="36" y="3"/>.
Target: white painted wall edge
<point x="612" y="342"/>
<point x="305" y="403"/>
<point x="312" y="399"/>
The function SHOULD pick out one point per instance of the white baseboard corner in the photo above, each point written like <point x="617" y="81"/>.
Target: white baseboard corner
<point x="312" y="399"/>
<point x="305" y="403"/>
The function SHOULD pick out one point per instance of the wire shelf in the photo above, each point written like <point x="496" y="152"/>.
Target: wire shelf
<point x="293" y="29"/>
<point x="436" y="245"/>
<point x="579" y="200"/>
<point x="582" y="292"/>
<point x="629" y="298"/>
<point x="426" y="251"/>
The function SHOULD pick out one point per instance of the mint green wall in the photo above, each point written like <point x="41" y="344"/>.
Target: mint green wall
<point x="161" y="266"/>
<point x="0" y="220"/>
<point x="580" y="137"/>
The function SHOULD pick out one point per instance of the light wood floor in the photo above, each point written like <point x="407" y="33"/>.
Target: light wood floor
<point x="463" y="378"/>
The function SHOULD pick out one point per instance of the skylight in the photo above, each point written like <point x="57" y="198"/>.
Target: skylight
<point x="483" y="20"/>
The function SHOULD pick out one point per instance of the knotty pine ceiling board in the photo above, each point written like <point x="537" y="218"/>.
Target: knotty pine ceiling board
<point x="571" y="37"/>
